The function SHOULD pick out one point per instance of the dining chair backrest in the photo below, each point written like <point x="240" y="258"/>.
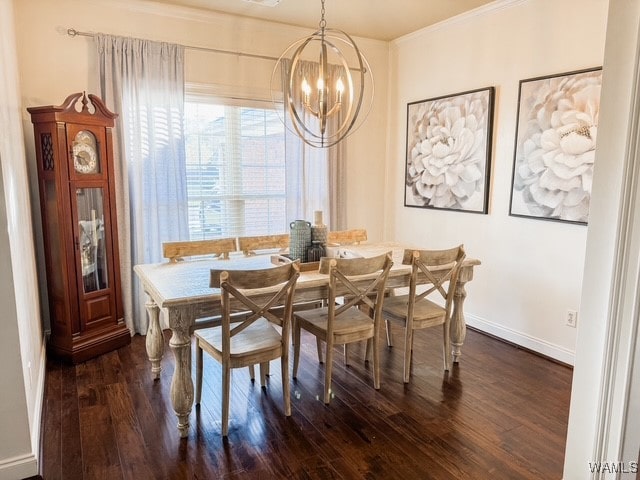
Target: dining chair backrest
<point x="237" y="286"/>
<point x="176" y="251"/>
<point x="249" y="245"/>
<point x="437" y="268"/>
<point x="347" y="237"/>
<point x="352" y="279"/>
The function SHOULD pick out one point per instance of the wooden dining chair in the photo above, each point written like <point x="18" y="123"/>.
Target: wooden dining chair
<point x="347" y="237"/>
<point x="252" y="245"/>
<point x="438" y="269"/>
<point x="253" y="340"/>
<point x="176" y="251"/>
<point x="359" y="318"/>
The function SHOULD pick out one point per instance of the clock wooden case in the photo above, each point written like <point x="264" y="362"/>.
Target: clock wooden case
<point x="74" y="151"/>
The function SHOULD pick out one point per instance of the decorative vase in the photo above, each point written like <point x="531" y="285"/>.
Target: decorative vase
<point x="318" y="229"/>
<point x="315" y="252"/>
<point x="299" y="239"/>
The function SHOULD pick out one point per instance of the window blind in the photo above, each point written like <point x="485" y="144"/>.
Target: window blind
<point x="235" y="163"/>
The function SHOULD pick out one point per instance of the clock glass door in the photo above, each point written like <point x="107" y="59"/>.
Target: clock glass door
<point x="91" y="239"/>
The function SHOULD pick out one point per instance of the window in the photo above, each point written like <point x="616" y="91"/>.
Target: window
<point x="235" y="161"/>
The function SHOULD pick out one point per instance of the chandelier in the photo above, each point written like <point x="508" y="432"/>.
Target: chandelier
<point x="323" y="96"/>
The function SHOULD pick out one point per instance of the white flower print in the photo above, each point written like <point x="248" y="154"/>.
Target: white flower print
<point x="557" y="134"/>
<point x="447" y="151"/>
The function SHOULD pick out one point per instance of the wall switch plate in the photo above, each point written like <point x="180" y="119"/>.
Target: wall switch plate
<point x="572" y="318"/>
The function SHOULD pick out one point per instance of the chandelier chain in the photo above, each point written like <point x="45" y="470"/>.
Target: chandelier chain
<point x="323" y="22"/>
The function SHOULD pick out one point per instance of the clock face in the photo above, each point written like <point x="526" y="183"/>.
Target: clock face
<point x="85" y="153"/>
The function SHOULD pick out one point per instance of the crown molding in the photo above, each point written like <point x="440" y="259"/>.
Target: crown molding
<point x="465" y="17"/>
<point x="192" y="14"/>
<point x="266" y="3"/>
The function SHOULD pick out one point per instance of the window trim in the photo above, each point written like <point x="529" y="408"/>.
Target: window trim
<point x="231" y="95"/>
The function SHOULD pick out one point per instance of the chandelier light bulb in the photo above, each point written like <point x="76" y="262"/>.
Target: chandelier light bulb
<point x="306" y="88"/>
<point x="339" y="90"/>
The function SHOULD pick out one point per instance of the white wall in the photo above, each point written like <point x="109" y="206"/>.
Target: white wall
<point x="531" y="270"/>
<point x="21" y="340"/>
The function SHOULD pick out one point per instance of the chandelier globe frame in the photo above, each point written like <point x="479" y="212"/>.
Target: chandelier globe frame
<point x="325" y="116"/>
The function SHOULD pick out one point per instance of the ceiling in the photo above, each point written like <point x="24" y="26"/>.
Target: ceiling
<point x="377" y="19"/>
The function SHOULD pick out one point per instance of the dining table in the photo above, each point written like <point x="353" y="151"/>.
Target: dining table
<point x="181" y="290"/>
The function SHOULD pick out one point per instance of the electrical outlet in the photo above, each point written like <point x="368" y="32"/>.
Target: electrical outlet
<point x="572" y="318"/>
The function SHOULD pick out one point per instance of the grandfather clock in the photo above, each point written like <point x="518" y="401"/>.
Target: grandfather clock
<point x="74" y="151"/>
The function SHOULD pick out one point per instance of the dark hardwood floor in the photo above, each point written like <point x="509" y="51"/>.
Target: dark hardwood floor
<point x="500" y="414"/>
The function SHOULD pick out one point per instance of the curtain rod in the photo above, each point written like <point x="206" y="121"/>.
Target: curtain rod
<point x="72" y="32"/>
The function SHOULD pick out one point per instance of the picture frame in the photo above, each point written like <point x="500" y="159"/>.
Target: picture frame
<point x="448" y="151"/>
<point x="555" y="141"/>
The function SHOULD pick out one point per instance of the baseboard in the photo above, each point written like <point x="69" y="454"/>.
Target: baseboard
<point x="23" y="466"/>
<point x="536" y="345"/>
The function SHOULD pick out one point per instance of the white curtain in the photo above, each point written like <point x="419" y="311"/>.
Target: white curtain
<point x="315" y="176"/>
<point x="143" y="82"/>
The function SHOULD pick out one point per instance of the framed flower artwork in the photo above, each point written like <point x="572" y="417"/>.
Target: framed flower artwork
<point x="556" y="131"/>
<point x="449" y="151"/>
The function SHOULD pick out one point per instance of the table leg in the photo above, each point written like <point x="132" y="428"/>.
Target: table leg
<point x="154" y="339"/>
<point x="181" y="384"/>
<point x="458" y="327"/>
